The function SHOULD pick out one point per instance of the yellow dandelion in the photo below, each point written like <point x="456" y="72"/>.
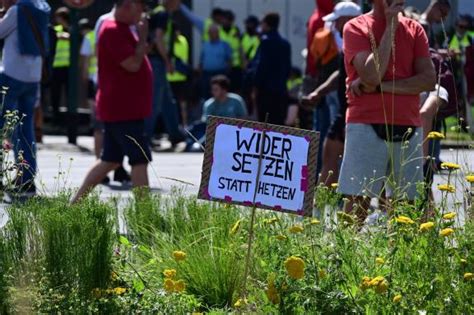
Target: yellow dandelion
<point x="379" y="261"/>
<point x="365" y="283"/>
<point x="179" y="255"/>
<point x="334" y="185"/>
<point x="235" y="228"/>
<point x="314" y="222"/>
<point x="434" y="135"/>
<point x="240" y="303"/>
<point x="272" y="292"/>
<point x="120" y="290"/>
<point x="468" y="276"/>
<point x="296" y="229"/>
<point x="470" y="178"/>
<point x="295" y="267"/>
<point x="169" y="285"/>
<point x="426" y="226"/>
<point x="169" y="273"/>
<point x="397" y="298"/>
<point x="463" y="261"/>
<point x="281" y="237"/>
<point x="449" y="215"/>
<point x="179" y="286"/>
<point x="447" y="188"/>
<point x="403" y="219"/>
<point x="450" y="166"/>
<point x="446" y="232"/>
<point x="382" y="287"/>
<point x="376" y="281"/>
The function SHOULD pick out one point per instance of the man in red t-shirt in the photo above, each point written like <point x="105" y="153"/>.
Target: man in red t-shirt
<point x="124" y="96"/>
<point x="383" y="146"/>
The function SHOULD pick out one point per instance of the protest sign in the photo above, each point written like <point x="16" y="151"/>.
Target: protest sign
<point x="287" y="169"/>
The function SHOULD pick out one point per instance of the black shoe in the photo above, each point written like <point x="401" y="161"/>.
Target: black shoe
<point x="175" y="140"/>
<point x="121" y="175"/>
<point x="105" y="181"/>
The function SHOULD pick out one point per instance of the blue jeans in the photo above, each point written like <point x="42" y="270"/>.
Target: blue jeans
<point x="322" y="121"/>
<point x="22" y="97"/>
<point x="163" y="103"/>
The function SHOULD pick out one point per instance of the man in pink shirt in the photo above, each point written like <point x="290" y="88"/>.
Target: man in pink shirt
<point x="388" y="65"/>
<point x="124" y="95"/>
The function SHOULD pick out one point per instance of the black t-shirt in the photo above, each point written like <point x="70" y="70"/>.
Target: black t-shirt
<point x="341" y="89"/>
<point x="160" y="21"/>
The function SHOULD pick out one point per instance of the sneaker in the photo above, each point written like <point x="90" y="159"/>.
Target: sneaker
<point x="105" y="181"/>
<point x="121" y="175"/>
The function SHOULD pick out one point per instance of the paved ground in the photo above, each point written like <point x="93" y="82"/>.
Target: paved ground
<point x="64" y="166"/>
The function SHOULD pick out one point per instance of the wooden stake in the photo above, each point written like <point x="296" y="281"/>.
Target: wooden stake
<point x="254" y="210"/>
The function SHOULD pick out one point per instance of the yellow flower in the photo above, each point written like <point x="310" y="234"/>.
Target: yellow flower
<point x="169" y="273"/>
<point x="379" y="261"/>
<point x="295" y="267"/>
<point x="179" y="255"/>
<point x="240" y="302"/>
<point x="449" y="215"/>
<point x="403" y="219"/>
<point x="468" y="276"/>
<point x="446" y="232"/>
<point x="272" y="292"/>
<point x="281" y="237"/>
<point x="271" y="221"/>
<point x="235" y="227"/>
<point x="322" y="273"/>
<point x="426" y="226"/>
<point x="447" y="188"/>
<point x="382" y="287"/>
<point x="450" y="166"/>
<point x="179" y="286"/>
<point x="376" y="281"/>
<point x="314" y="222"/>
<point x="470" y="178"/>
<point x="169" y="285"/>
<point x="296" y="229"/>
<point x="434" y="135"/>
<point x="120" y="290"/>
<point x="463" y="261"/>
<point x="365" y="283"/>
<point x="334" y="185"/>
<point x="397" y="298"/>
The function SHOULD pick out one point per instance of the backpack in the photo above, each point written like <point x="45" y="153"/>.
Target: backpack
<point x="445" y="77"/>
<point x="324" y="47"/>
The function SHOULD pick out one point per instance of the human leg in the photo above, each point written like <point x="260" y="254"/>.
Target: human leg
<point x="332" y="153"/>
<point x="94" y="177"/>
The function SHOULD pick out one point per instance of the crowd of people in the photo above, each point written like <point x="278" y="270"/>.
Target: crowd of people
<point x="358" y="90"/>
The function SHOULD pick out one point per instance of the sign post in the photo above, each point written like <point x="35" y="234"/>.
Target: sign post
<point x="260" y="166"/>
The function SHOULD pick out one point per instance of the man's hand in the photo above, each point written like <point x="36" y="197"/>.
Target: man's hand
<point x="142" y="29"/>
<point x="357" y="88"/>
<point x="392" y="13"/>
<point x="311" y="100"/>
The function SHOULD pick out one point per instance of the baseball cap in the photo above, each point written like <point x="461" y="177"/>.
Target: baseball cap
<point x="343" y="9"/>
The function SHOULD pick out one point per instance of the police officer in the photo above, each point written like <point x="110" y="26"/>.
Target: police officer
<point x="60" y="75"/>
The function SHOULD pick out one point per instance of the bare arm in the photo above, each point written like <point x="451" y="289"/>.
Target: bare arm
<point x="372" y="66"/>
<point x="325" y="88"/>
<point x="423" y="80"/>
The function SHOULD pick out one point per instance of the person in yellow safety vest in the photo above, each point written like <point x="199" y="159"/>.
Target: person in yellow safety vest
<point x="230" y="34"/>
<point x="203" y="25"/>
<point x="461" y="38"/>
<point x="250" y="40"/>
<point x="60" y="75"/>
<point x="178" y="79"/>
